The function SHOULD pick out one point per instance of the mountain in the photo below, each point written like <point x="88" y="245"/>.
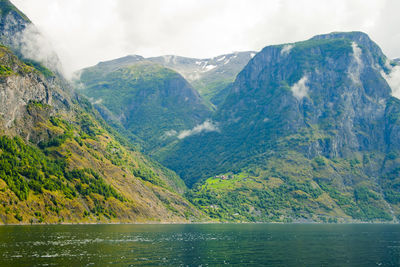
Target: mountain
<point x="150" y="101"/>
<point x="211" y="77"/>
<point x="309" y="131"/>
<point x="59" y="160"/>
<point x="19" y="34"/>
<point x="12" y="23"/>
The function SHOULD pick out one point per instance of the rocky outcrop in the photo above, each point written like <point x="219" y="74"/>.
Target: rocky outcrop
<point x="22" y="84"/>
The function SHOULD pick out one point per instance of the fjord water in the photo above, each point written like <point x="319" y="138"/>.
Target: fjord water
<point x="201" y="245"/>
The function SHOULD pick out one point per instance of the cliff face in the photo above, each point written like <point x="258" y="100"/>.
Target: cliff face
<point x="324" y="101"/>
<point x="332" y="81"/>
<point x="21" y="84"/>
<point x="12" y="23"/>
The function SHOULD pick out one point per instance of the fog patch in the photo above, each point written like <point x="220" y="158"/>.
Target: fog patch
<point x="300" y="89"/>
<point x="393" y="79"/>
<point x="170" y="133"/>
<point x="98" y="101"/>
<point x="33" y="45"/>
<point x="207" y="126"/>
<point x="286" y="49"/>
<point x="356" y="66"/>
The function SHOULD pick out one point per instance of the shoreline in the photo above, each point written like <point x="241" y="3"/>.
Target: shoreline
<point x="204" y="223"/>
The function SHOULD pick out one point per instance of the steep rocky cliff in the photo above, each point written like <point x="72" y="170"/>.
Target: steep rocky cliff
<point x="311" y="122"/>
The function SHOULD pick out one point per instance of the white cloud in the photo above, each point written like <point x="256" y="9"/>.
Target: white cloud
<point x="393" y="79"/>
<point x="300" y="89"/>
<point x="33" y="45"/>
<point x="286" y="49"/>
<point x="207" y="126"/>
<point x="171" y="133"/>
<point x="98" y="101"/>
<point x="355" y="68"/>
<point x="356" y="53"/>
<point x="86" y="32"/>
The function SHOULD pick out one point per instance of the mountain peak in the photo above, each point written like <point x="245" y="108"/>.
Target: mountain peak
<point x="6" y="7"/>
<point x="127" y="60"/>
<point x="344" y="35"/>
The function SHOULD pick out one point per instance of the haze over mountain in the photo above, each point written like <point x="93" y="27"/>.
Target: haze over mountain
<point x="211" y="77"/>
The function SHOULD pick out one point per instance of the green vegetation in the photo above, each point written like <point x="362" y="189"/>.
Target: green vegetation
<point x="61" y="162"/>
<point x="39" y="67"/>
<point x="286" y="192"/>
<point x="145" y="100"/>
<point x="5" y="70"/>
<point x="6" y="7"/>
<point x="88" y="181"/>
<point x="27" y="169"/>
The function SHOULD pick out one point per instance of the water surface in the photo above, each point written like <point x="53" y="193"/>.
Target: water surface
<point x="201" y="245"/>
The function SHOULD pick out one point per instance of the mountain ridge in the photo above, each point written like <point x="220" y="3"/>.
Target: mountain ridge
<point x="211" y="77"/>
<point x="323" y="104"/>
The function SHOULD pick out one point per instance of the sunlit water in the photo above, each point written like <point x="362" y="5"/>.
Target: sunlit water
<point x="200" y="245"/>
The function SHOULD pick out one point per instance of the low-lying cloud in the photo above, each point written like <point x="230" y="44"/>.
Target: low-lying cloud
<point x="356" y="66"/>
<point x="300" y="89"/>
<point x="86" y="32"/>
<point x="33" y="45"/>
<point x="286" y="49"/>
<point x="393" y="79"/>
<point x="207" y="126"/>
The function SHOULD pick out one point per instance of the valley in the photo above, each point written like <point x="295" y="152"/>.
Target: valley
<point x="298" y="132"/>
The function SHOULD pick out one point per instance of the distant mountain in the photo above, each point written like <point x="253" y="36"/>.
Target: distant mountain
<point x="150" y="101"/>
<point x="308" y="131"/>
<point x="397" y="60"/>
<point x="211" y="77"/>
<point x="59" y="161"/>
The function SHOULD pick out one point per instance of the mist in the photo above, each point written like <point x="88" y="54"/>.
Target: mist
<point x="86" y="32"/>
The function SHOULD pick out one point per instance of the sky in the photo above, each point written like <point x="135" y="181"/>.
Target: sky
<point x="84" y="32"/>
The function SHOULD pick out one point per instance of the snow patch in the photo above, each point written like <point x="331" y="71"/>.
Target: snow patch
<point x="286" y="49"/>
<point x="207" y="126"/>
<point x="221" y="58"/>
<point x="300" y="89"/>
<point x="252" y="55"/>
<point x="210" y="67"/>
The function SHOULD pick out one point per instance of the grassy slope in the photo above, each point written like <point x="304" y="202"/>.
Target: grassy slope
<point x="145" y="99"/>
<point x="74" y="169"/>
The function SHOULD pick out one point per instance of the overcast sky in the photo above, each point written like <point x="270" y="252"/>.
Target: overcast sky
<point x="84" y="32"/>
